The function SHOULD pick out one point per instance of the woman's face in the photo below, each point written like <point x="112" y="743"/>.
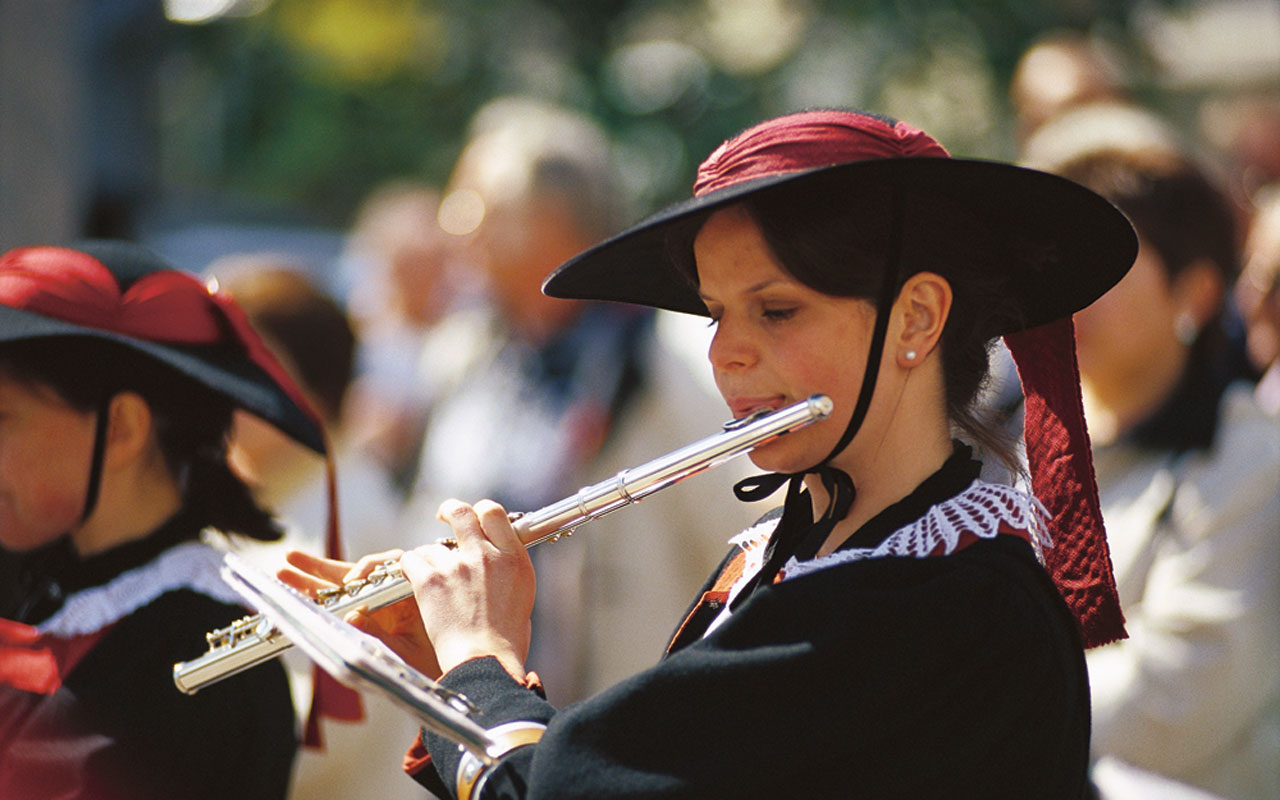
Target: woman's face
<point x="1126" y="340"/>
<point x="777" y="341"/>
<point x="45" y="451"/>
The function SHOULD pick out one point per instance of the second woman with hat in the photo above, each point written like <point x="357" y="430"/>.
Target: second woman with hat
<point x="118" y="379"/>
<point x="898" y="628"/>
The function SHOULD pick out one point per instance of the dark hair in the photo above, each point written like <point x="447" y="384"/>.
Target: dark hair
<point x="192" y="422"/>
<point x="840" y="244"/>
<point x="1171" y="202"/>
<point x="1176" y="209"/>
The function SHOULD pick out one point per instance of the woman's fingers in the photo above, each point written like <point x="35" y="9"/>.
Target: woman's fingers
<point x="302" y="581"/>
<point x="496" y="524"/>
<point x="404" y="636"/>
<point x="486" y="522"/>
<point x="474" y="599"/>
<point x="463" y="520"/>
<point x="369" y="563"/>
<point x="312" y="573"/>
<point x="326" y="569"/>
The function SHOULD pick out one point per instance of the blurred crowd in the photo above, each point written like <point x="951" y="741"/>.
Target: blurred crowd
<point x="441" y="339"/>
<point x="1178" y="367"/>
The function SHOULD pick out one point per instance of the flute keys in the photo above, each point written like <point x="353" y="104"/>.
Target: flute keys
<point x="234" y="633"/>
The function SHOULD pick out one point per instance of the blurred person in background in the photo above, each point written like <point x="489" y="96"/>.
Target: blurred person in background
<point x="403" y="274"/>
<point x="1244" y="129"/>
<point x="311" y="337"/>
<point x="118" y="379"/>
<point x="1060" y="71"/>
<point x="1188" y="470"/>
<point x="1257" y="294"/>
<point x="540" y="396"/>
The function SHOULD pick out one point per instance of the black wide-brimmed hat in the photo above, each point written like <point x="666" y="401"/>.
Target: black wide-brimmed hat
<point x="123" y="293"/>
<point x="1045" y="248"/>
<point x="1055" y="245"/>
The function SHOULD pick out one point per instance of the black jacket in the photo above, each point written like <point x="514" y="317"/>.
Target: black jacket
<point x="951" y="677"/>
<point x="116" y="726"/>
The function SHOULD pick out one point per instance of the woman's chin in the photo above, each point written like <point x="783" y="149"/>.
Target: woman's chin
<point x="781" y="456"/>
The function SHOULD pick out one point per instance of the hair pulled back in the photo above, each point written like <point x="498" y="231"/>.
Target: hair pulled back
<point x="840" y="244"/>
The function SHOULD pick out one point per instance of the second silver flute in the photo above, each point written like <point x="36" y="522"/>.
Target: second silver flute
<point x="253" y="640"/>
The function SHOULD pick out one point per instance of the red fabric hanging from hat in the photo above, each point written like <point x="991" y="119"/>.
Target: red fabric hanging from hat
<point x="1061" y="466"/>
<point x="36" y="662"/>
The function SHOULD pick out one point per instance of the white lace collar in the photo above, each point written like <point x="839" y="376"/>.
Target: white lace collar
<point x="979" y="511"/>
<point x="193" y="565"/>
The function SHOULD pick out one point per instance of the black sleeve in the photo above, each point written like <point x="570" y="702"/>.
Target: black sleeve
<point x="896" y="678"/>
<point x="235" y="738"/>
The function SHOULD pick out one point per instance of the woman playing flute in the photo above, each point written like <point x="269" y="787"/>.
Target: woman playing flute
<point x="898" y="628"/>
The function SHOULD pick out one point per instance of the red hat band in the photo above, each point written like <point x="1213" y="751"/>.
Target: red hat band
<point x="808" y="140"/>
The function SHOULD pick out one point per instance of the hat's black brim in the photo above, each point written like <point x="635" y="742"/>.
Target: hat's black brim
<point x="1063" y="245"/>
<point x="230" y="374"/>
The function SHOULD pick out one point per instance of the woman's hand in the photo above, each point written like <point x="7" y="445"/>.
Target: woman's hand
<point x="475" y="599"/>
<point x="397" y="625"/>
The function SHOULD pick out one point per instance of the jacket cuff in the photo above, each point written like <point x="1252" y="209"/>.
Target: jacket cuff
<point x="499" y="699"/>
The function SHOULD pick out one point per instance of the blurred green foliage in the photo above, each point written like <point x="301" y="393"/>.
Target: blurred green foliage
<point x="313" y="102"/>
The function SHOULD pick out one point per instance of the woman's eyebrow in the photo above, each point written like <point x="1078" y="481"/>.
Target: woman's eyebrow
<point x="765" y="284"/>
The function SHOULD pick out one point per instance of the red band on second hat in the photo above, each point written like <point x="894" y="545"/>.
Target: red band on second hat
<point x="166" y="307"/>
<point x="808" y="140"/>
<point x="169" y="307"/>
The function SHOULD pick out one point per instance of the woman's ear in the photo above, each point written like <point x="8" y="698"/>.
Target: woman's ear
<point x="1198" y="291"/>
<point x="129" y="428"/>
<point x="922" y="306"/>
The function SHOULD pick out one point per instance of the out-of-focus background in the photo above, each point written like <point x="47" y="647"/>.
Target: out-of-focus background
<point x="189" y="122"/>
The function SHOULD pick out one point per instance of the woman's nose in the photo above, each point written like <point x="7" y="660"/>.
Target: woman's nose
<point x="730" y="349"/>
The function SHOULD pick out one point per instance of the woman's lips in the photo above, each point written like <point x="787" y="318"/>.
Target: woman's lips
<point x="746" y="406"/>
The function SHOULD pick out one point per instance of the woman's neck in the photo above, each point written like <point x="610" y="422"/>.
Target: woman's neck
<point x="883" y="473"/>
<point x="129" y="508"/>
<point x="1114" y="404"/>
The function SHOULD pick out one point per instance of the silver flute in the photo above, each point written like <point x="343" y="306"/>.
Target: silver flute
<point x="253" y="640"/>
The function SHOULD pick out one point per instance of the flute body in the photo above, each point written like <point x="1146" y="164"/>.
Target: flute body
<point x="253" y="640"/>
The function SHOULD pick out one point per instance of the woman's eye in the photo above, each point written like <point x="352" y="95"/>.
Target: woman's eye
<point x="778" y="314"/>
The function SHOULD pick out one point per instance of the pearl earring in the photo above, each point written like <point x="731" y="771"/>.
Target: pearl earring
<point x="910" y="355"/>
<point x="1185" y="328"/>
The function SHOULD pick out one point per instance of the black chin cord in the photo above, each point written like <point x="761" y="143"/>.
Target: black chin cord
<point x="99" y="450"/>
<point x="797" y="534"/>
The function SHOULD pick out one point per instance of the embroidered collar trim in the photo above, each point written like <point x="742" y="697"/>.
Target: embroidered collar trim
<point x="981" y="510"/>
<point x="192" y="565"/>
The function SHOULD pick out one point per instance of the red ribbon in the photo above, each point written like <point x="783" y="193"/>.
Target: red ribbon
<point x="169" y="307"/>
<point x="1061" y="464"/>
<point x="808" y="140"/>
<point x="34" y="662"/>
